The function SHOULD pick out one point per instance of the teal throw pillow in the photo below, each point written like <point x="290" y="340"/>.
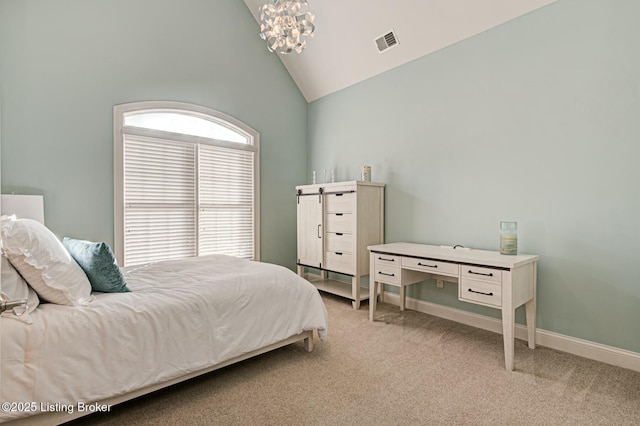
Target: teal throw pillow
<point x="99" y="263"/>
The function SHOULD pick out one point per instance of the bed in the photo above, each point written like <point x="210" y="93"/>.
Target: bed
<point x="180" y="319"/>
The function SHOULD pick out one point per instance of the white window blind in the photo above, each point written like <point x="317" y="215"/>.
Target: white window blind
<point x="183" y="194"/>
<point x="226" y="201"/>
<point x="160" y="197"/>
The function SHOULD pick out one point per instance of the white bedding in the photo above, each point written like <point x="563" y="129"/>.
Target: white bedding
<point x="180" y="317"/>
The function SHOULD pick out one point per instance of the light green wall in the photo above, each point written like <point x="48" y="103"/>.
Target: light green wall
<point x="537" y="121"/>
<point x="65" y="63"/>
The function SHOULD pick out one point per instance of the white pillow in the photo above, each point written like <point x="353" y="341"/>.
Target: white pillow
<point x="43" y="262"/>
<point x="14" y="287"/>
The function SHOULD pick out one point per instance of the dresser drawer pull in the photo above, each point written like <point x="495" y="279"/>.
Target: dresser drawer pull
<point x="339" y="214"/>
<point x="338" y="253"/>
<point x="480" y="292"/>
<point x="386" y="260"/>
<point x="339" y="233"/>
<point x="490" y="274"/>
<point x="428" y="266"/>
<point x="389" y="275"/>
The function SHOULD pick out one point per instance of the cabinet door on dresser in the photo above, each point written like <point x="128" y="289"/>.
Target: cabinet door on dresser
<point x="310" y="231"/>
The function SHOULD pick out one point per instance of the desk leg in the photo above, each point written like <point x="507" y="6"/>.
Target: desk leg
<point x="373" y="286"/>
<point x="508" y="332"/>
<point x="531" y="323"/>
<point x="531" y="314"/>
<point x="372" y="300"/>
<point x="381" y="299"/>
<point x="403" y="297"/>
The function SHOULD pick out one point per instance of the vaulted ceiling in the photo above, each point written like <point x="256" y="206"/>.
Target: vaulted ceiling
<point x="343" y="51"/>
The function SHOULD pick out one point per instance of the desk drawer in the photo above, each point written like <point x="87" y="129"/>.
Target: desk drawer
<point x="339" y="242"/>
<point x="339" y="222"/>
<point x="339" y="262"/>
<point x="433" y="266"/>
<point x="388" y="274"/>
<point x="479" y="273"/>
<point x="481" y="292"/>
<point x="387" y="259"/>
<point x="342" y="202"/>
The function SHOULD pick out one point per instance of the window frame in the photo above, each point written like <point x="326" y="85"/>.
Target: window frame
<point x="209" y="114"/>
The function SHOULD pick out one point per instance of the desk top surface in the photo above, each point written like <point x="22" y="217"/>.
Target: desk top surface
<point x="472" y="256"/>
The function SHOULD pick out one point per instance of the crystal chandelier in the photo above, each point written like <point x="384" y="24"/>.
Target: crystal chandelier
<point x="285" y="25"/>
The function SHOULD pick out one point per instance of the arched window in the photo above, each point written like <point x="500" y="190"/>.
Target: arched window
<point x="186" y="183"/>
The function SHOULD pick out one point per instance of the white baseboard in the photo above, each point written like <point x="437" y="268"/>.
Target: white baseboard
<point x="572" y="345"/>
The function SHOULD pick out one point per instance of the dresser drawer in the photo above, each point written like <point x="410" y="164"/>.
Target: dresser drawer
<point x="389" y="274"/>
<point x="480" y="292"/>
<point x="433" y="266"/>
<point x="478" y="273"/>
<point x="340" y="242"/>
<point x="339" y="262"/>
<point x="339" y="222"/>
<point x="342" y="202"/>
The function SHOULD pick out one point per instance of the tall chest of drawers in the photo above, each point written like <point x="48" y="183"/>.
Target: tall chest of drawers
<point x="336" y="223"/>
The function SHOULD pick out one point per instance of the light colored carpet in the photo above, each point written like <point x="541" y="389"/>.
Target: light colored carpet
<point x="407" y="368"/>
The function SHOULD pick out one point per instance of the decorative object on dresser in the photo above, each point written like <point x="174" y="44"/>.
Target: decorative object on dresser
<point x="336" y="223"/>
<point x="365" y="173"/>
<point x="484" y="278"/>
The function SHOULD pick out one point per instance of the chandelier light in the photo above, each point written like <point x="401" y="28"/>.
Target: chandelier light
<point x="285" y="25"/>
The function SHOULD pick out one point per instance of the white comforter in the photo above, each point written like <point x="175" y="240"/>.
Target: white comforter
<point x="181" y="316"/>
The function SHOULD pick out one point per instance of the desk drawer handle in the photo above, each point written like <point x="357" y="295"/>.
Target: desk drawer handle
<point x="339" y="214"/>
<point x="428" y="266"/>
<point x="480" y="292"/>
<point x="386" y="260"/>
<point x="339" y="253"/>
<point x="389" y="275"/>
<point x="490" y="274"/>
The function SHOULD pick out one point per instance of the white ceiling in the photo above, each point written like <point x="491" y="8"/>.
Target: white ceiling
<point x="343" y="53"/>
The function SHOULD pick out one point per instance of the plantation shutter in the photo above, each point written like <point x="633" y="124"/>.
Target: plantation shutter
<point x="159" y="199"/>
<point x="226" y="201"/>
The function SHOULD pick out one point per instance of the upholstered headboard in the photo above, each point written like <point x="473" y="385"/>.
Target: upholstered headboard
<point x="23" y="206"/>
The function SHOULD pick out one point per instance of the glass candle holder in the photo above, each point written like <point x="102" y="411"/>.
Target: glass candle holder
<point x="509" y="238"/>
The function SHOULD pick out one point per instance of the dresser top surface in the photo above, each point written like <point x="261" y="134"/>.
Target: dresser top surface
<point x="472" y="256"/>
<point x="332" y="185"/>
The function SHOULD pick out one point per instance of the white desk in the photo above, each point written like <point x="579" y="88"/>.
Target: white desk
<point x="485" y="278"/>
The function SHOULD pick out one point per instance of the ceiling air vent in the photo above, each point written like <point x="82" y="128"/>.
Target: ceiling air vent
<point x="386" y="41"/>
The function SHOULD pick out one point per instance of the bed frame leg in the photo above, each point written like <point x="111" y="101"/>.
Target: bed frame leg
<point x="308" y="342"/>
